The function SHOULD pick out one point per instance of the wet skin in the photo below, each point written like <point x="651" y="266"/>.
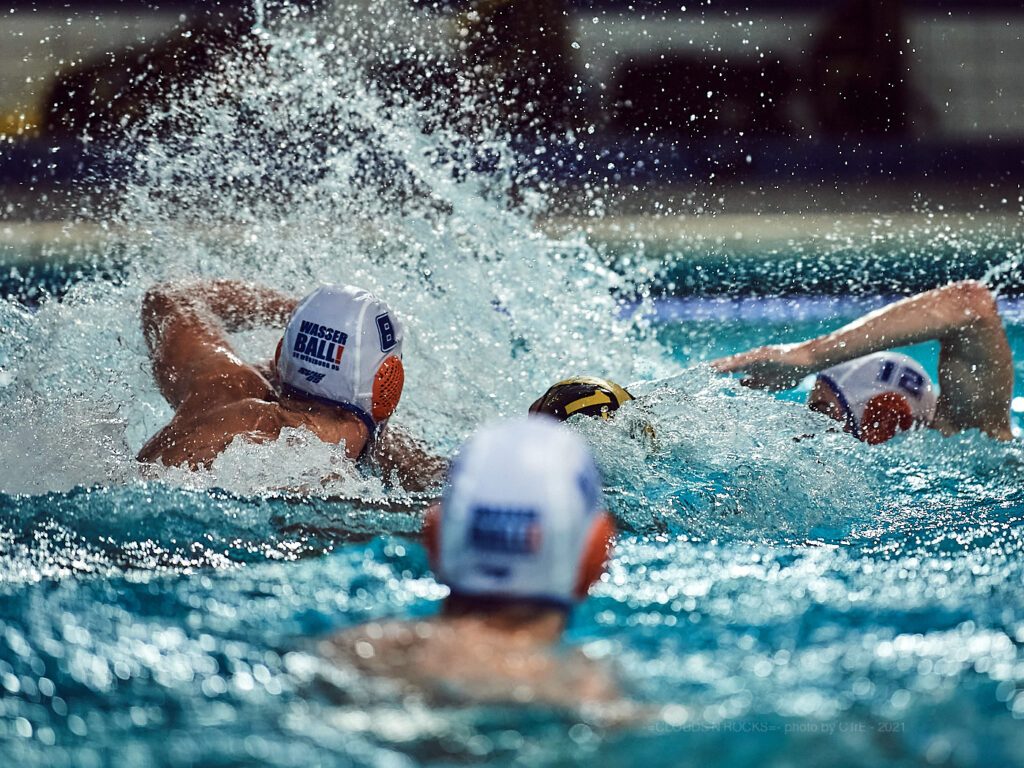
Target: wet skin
<point x="975" y="364"/>
<point x="823" y="400"/>
<point x="505" y="656"/>
<point x="218" y="397"/>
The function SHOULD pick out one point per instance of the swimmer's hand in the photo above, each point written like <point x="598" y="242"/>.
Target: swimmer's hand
<point x="775" y="367"/>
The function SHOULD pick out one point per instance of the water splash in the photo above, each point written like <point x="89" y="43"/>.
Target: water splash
<point x="291" y="166"/>
<point x="761" y="581"/>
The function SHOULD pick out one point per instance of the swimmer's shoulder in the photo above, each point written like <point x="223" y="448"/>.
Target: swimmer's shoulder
<point x="382" y="649"/>
<point x="464" y="660"/>
<point x="226" y="385"/>
<point x="196" y="436"/>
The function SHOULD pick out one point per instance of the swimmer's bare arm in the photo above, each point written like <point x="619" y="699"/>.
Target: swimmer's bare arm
<point x="975" y="364"/>
<point x="186" y="325"/>
<point x="397" y="452"/>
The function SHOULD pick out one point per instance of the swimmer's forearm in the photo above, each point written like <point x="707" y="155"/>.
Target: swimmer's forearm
<point x="242" y="305"/>
<point x="236" y="304"/>
<point x="957" y="311"/>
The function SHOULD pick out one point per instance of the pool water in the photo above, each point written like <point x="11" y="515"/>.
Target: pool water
<point x="780" y="593"/>
<point x="768" y="598"/>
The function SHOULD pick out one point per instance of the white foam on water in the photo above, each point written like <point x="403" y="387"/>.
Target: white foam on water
<point x="725" y="459"/>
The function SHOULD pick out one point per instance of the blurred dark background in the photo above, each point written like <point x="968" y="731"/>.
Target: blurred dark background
<point x="844" y="98"/>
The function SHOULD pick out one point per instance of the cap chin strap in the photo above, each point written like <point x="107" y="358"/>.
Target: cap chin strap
<point x="364" y="417"/>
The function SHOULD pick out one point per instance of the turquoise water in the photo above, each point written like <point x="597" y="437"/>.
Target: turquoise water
<point x="769" y="598"/>
<point x="779" y="594"/>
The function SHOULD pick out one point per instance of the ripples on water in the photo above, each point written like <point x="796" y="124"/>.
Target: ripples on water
<point x="770" y="598"/>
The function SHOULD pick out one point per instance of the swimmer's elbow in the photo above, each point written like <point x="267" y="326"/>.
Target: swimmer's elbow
<point x="155" y="305"/>
<point x="972" y="300"/>
<point x="165" y="298"/>
<point x="160" y="304"/>
<point x="159" y="299"/>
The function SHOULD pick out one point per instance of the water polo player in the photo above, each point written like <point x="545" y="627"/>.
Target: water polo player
<point x="877" y="393"/>
<point x="337" y="373"/>
<point x="595" y="397"/>
<point x="586" y="395"/>
<point x="519" y="537"/>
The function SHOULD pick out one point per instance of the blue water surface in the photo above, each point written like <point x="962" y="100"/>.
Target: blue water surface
<point x="771" y="601"/>
<point x="780" y="594"/>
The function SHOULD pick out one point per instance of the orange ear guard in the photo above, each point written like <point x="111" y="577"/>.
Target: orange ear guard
<point x="884" y="416"/>
<point x="432" y="533"/>
<point x="595" y="553"/>
<point x="387" y="388"/>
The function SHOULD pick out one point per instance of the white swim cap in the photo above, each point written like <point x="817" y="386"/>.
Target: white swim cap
<point x="522" y="516"/>
<point x="859" y="383"/>
<point x="343" y="347"/>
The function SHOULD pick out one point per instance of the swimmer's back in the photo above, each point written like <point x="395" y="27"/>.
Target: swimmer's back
<point x="473" y="658"/>
<point x="195" y="437"/>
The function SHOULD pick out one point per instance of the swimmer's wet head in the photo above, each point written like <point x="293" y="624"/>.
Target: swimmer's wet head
<point x="876" y="392"/>
<point x="594" y="397"/>
<point x="518" y="537"/>
<point x="875" y="396"/>
<point x="342" y="347"/>
<point x="586" y="395"/>
<point x="522" y="521"/>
